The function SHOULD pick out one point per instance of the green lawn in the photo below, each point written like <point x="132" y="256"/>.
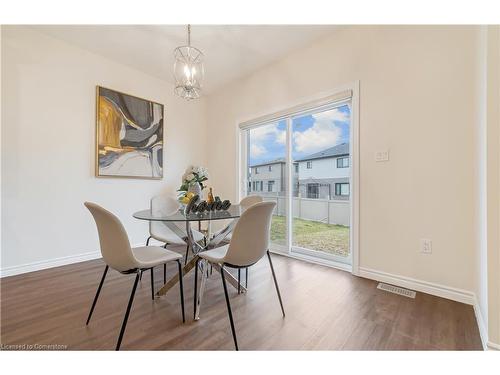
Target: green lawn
<point x="329" y="238"/>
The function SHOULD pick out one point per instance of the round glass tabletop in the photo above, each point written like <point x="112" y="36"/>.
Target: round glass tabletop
<point x="232" y="212"/>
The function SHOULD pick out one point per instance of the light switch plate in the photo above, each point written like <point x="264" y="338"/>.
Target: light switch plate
<point x="382" y="155"/>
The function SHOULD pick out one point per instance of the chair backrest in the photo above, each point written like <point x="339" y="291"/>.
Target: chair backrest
<point x="250" y="239"/>
<point x="250" y="200"/>
<point x="115" y="245"/>
<point x="161" y="205"/>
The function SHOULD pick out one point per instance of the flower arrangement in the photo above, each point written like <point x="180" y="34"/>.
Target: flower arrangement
<point x="192" y="182"/>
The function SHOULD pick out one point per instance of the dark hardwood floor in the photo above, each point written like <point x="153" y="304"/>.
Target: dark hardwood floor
<point x="326" y="309"/>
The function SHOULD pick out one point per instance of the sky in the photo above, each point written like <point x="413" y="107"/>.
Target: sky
<point x="310" y="134"/>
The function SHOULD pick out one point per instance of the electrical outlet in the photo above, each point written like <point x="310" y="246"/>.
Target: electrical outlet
<point x="426" y="246"/>
<point x="382" y="155"/>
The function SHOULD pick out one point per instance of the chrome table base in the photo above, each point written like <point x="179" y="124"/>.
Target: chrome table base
<point x="196" y="248"/>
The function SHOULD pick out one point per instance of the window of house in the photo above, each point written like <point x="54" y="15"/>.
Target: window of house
<point x="256" y="170"/>
<point x="261" y="186"/>
<point x="309" y="165"/>
<point x="313" y="191"/>
<point x="343" y="162"/>
<point x="297" y="168"/>
<point x="270" y="168"/>
<point x="270" y="186"/>
<point x="342" y="189"/>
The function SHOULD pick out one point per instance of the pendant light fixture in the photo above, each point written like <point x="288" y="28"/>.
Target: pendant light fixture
<point x="188" y="70"/>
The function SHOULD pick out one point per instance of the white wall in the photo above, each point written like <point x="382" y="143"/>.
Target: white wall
<point x="493" y="184"/>
<point x="416" y="99"/>
<point x="48" y="126"/>
<point x="322" y="168"/>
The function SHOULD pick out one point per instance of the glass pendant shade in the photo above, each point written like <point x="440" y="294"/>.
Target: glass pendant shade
<point x="188" y="70"/>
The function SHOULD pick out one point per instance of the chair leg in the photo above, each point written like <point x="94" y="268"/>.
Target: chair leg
<point x="187" y="253"/>
<point x="165" y="273"/>
<point x="246" y="277"/>
<point x="147" y="241"/>
<point x="97" y="294"/>
<point x="239" y="280"/>
<point x="181" y="287"/>
<point x="275" y="282"/>
<point x="140" y="275"/>
<point x="152" y="284"/>
<point x="229" y="308"/>
<point x="125" y="319"/>
<point x="195" y="286"/>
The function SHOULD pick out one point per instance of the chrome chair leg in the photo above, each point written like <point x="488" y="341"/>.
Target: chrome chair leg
<point x="229" y="308"/>
<point x="97" y="294"/>
<point x="181" y="286"/>
<point x="275" y="282"/>
<point x="125" y="319"/>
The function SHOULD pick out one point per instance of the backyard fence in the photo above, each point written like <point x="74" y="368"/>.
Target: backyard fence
<point x="322" y="210"/>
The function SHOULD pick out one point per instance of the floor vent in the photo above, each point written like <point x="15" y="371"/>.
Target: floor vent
<point x="397" y="290"/>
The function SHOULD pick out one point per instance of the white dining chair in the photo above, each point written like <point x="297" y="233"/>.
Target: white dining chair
<point x="249" y="243"/>
<point x="163" y="205"/>
<point x="117" y="254"/>
<point x="246" y="202"/>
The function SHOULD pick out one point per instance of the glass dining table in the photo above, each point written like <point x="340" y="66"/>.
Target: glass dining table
<point x="172" y="221"/>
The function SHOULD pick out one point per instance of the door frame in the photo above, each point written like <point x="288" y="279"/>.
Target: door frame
<point x="287" y="110"/>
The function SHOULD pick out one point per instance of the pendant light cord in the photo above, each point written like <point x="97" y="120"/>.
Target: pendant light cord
<point x="189" y="35"/>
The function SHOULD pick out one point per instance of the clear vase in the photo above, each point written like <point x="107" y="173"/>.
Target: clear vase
<point x="195" y="189"/>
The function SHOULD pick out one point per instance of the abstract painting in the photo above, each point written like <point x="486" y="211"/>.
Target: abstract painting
<point x="129" y="136"/>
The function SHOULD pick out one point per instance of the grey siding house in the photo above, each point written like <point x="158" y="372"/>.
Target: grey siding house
<point x="270" y="178"/>
<point x="325" y="174"/>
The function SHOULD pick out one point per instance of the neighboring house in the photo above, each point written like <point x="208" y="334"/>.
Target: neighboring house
<point x="269" y="178"/>
<point x="325" y="174"/>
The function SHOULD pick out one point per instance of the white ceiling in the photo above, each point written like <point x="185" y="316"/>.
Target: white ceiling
<point x="230" y="52"/>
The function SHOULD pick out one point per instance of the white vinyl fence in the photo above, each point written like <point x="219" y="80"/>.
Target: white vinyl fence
<point x="322" y="210"/>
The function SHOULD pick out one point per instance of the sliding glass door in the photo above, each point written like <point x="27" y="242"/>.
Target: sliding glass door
<point x="302" y="161"/>
<point x="321" y="197"/>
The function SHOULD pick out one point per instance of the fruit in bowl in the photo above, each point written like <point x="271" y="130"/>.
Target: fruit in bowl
<point x="186" y="198"/>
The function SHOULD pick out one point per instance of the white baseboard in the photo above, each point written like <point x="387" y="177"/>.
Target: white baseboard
<point x="44" y="264"/>
<point x="51" y="263"/>
<point x="493" y="346"/>
<point x="443" y="291"/>
<point x="481" y="324"/>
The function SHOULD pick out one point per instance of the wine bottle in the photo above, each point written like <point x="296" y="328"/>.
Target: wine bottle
<point x="210" y="198"/>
